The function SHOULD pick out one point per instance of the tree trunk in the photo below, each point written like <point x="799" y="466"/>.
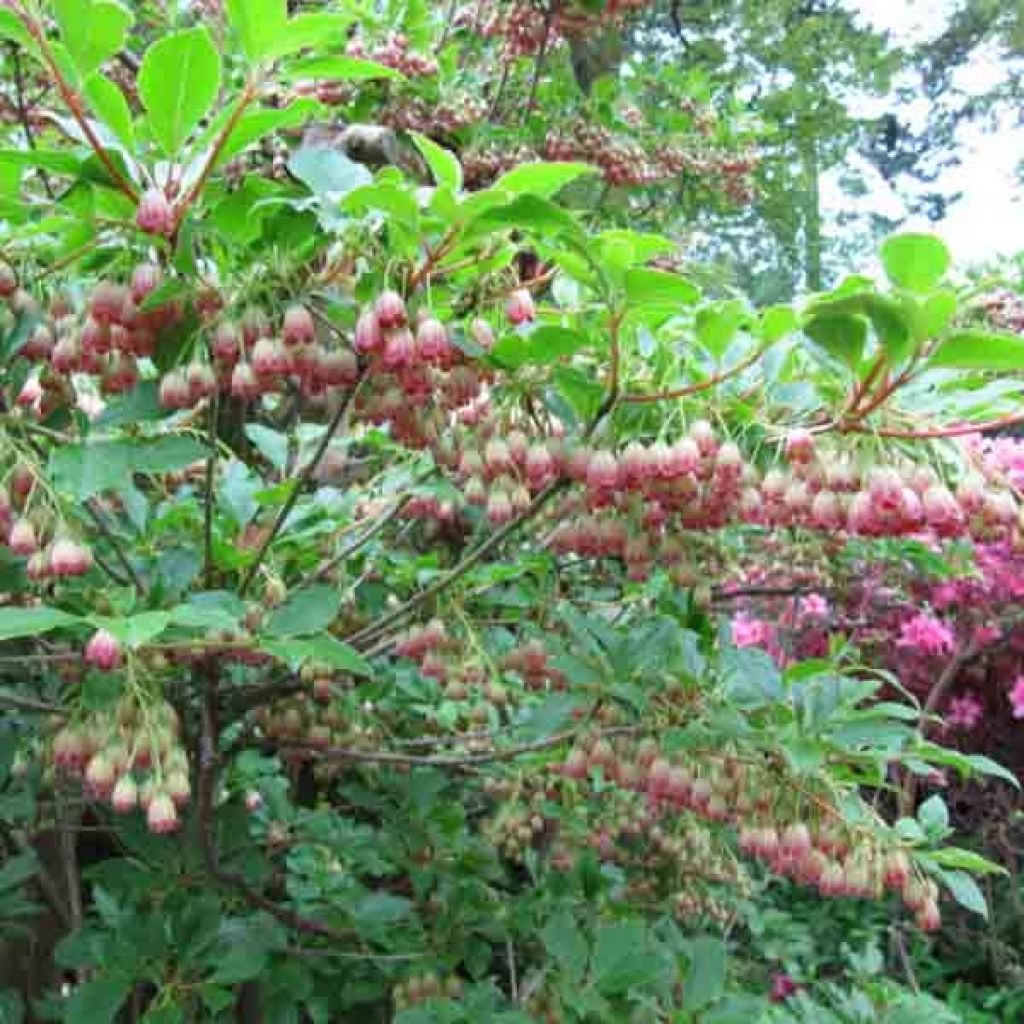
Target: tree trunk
<point x="811" y="202"/>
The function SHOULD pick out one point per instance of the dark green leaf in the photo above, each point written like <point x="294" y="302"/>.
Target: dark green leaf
<point x="545" y="344"/>
<point x="309" y="611"/>
<point x="16" y="622"/>
<point x="323" y="649"/>
<point x="96" y="1002"/>
<point x="705" y="978"/>
<point x="82" y="470"/>
<point x="841" y="335"/>
<point x="565" y="944"/>
<point x="966" y="892"/>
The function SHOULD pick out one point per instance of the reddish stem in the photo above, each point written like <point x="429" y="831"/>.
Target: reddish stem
<point x="704" y="385"/>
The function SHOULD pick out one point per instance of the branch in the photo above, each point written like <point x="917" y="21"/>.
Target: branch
<point x="444" y="761"/>
<point x="208" y="497"/>
<point x="926" y="433"/>
<point x="23" y="113"/>
<point x="538" y="67"/>
<point x="248" y="95"/>
<point x="704" y="385"/>
<point x="119" y="554"/>
<point x="376" y="629"/>
<point x="350" y="549"/>
<point x="47" y="886"/>
<point x="74" y="105"/>
<point x="207" y="785"/>
<point x="13" y="702"/>
<point x="300" y="483"/>
<point x="935" y="698"/>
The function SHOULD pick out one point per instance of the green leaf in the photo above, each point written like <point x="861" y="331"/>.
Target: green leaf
<point x="323" y="649"/>
<point x="777" y="322"/>
<point x="974" y="349"/>
<point x="272" y="444"/>
<point x="254" y="125"/>
<point x="966" y="892"/>
<point x="177" y="84"/>
<point x="659" y="288"/>
<point x="327" y="173"/>
<point x="96" y="1001"/>
<point x="444" y="165"/>
<point x="527" y="212"/>
<point x="259" y="24"/>
<point x="92" y="31"/>
<point x="350" y="69"/>
<point x="887" y="317"/>
<point x="17" y="870"/>
<point x="621" y="958"/>
<point x="310" y="29"/>
<point x="109" y="105"/>
<point x="206" y="617"/>
<point x="16" y="622"/>
<point x="13" y="28"/>
<point x="933" y="814"/>
<point x="705" y="977"/>
<point x="914" y="261"/>
<point x="966" y="860"/>
<point x="541" y="179"/>
<point x="934" y="314"/>
<point x="566" y="945"/>
<point x="717" y="325"/>
<point x="543" y="345"/>
<point x="842" y="335"/>
<point x="82" y="470"/>
<point x="309" y="611"/>
<point x="134" y="630"/>
<point x="985" y="765"/>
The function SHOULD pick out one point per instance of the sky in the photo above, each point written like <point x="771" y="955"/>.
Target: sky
<point x="989" y="220"/>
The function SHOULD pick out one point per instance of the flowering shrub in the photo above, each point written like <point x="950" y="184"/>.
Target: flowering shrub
<point x="365" y="542"/>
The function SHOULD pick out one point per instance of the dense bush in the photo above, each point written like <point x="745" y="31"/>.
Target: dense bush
<point x="422" y="601"/>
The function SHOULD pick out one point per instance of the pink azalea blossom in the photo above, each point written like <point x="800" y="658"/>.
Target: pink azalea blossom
<point x="748" y="631"/>
<point x="926" y="634"/>
<point x="813" y="606"/>
<point x="985" y="635"/>
<point x="1016" y="696"/>
<point x="965" y="711"/>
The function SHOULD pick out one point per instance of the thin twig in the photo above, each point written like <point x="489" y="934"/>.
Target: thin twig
<point x="444" y="761"/>
<point x="12" y="702"/>
<point x="74" y="104"/>
<point x="376" y="629"/>
<point x="208" y="497"/>
<point x="47" y="885"/>
<point x="935" y="698"/>
<point x="538" y="67"/>
<point x="23" y="113"/>
<point x="704" y="385"/>
<point x="206" y="814"/>
<point x="115" y="544"/>
<point x="350" y="549"/>
<point x="299" y="486"/>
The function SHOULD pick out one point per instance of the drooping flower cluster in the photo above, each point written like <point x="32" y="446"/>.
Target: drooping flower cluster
<point x="131" y="758"/>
